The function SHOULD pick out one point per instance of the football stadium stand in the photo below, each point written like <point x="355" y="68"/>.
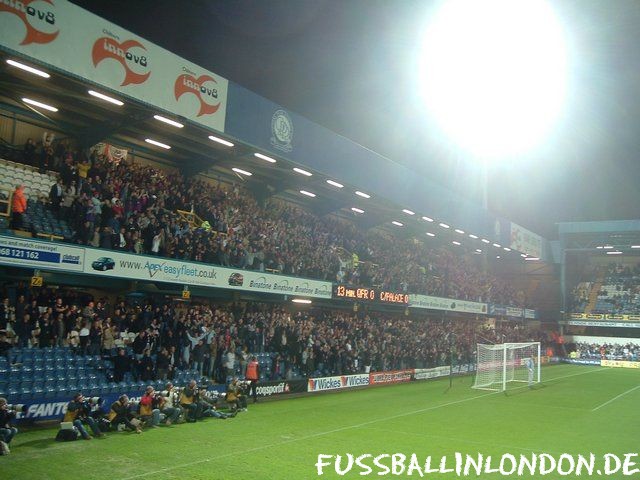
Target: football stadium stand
<point x="141" y="209"/>
<point x="61" y="342"/>
<point x="616" y="292"/>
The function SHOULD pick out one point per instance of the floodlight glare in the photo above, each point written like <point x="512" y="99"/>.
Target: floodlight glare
<point x="493" y="73"/>
<point x="35" y="103"/>
<point x="241" y="171"/>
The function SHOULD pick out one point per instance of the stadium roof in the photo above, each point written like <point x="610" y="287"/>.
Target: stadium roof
<point x="348" y="67"/>
<point x="191" y="149"/>
<point x="601" y="237"/>
<point x="411" y="200"/>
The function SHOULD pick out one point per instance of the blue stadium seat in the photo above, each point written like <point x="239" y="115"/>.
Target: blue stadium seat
<point x="51" y="392"/>
<point x="26" y="393"/>
<point x="38" y="353"/>
<point x="28" y="353"/>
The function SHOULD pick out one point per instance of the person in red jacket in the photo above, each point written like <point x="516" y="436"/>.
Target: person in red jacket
<point x="18" y="207"/>
<point x="253" y="375"/>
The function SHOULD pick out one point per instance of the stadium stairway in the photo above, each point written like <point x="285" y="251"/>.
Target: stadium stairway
<point x="38" y="219"/>
<point x="593" y="296"/>
<point x="531" y="290"/>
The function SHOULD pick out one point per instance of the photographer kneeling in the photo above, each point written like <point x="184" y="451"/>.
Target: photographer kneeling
<point x="120" y="414"/>
<point x="166" y="405"/>
<point x="209" y="401"/>
<point x="7" y="432"/>
<point x="189" y="401"/>
<point x="149" y="412"/>
<point x="235" y="395"/>
<point x="79" y="411"/>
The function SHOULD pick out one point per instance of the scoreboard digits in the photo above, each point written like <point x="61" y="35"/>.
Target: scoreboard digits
<point x="370" y="295"/>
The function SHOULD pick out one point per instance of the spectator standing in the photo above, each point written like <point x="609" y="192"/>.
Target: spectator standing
<point x="18" y="207"/>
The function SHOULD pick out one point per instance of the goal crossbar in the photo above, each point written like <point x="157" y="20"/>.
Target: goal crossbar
<point x="499" y="365"/>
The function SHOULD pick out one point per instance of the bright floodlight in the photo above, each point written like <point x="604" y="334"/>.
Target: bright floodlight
<point x="493" y="73"/>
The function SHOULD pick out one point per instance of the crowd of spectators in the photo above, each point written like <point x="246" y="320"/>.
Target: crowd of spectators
<point x="580" y="296"/>
<point x="132" y="207"/>
<point x="607" y="351"/>
<point x="618" y="290"/>
<point x="619" y="293"/>
<point x="152" y="339"/>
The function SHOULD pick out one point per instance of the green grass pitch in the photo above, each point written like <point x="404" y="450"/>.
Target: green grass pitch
<point x="574" y="410"/>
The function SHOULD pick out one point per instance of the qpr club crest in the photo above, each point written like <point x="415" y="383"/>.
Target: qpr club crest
<point x="282" y="131"/>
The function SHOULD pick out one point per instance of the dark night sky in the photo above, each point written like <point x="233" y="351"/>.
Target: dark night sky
<point x="350" y="65"/>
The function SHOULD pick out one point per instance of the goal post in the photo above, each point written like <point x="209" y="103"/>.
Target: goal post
<point x="500" y="365"/>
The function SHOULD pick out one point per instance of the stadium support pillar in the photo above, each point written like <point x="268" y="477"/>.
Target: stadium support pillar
<point x="563" y="273"/>
<point x="14" y="126"/>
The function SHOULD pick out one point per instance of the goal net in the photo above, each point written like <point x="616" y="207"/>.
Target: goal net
<point x="499" y="365"/>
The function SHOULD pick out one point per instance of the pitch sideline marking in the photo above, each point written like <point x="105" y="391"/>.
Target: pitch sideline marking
<point x="615" y="398"/>
<point x="329" y="432"/>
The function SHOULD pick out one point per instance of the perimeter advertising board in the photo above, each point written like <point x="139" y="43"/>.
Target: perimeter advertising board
<point x="436" y="372"/>
<point x="619" y="364"/>
<point x="447" y="304"/>
<point x="107" y="263"/>
<point x="394" y="376"/>
<point x="322" y="384"/>
<point x="23" y="252"/>
<point x="278" y="388"/>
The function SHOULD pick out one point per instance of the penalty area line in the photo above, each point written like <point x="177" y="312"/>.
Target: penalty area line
<point x="615" y="398"/>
